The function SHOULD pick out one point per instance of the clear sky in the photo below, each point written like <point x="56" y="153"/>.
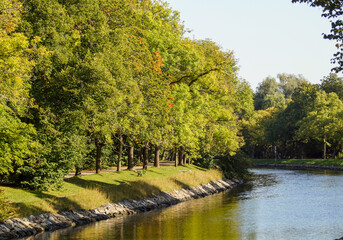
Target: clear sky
<point x="267" y="36"/>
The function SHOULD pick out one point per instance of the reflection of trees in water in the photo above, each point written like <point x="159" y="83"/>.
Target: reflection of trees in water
<point x="214" y="217"/>
<point x="264" y="180"/>
<point x="257" y="182"/>
<point x="208" y="218"/>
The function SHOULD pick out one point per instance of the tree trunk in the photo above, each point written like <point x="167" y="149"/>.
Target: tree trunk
<point x="146" y="156"/>
<point x="157" y="156"/>
<point x="130" y="158"/>
<point x="181" y="153"/>
<point x="149" y="154"/>
<point x="98" y="146"/>
<point x="120" y="152"/>
<point x="164" y="155"/>
<point x="324" y="150"/>
<point x="172" y="155"/>
<point x="78" y="171"/>
<point x="176" y="157"/>
<point x="302" y="151"/>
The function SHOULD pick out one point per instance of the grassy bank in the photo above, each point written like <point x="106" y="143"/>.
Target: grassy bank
<point x="315" y="162"/>
<point x="95" y="190"/>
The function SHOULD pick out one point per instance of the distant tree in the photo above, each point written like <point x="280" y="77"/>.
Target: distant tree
<point x="324" y="122"/>
<point x="333" y="83"/>
<point x="274" y="92"/>
<point x="268" y="87"/>
<point x="333" y="10"/>
<point x="289" y="82"/>
<point x="244" y="100"/>
<point x="257" y="133"/>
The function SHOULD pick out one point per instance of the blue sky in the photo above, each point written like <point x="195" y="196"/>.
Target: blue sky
<point x="267" y="36"/>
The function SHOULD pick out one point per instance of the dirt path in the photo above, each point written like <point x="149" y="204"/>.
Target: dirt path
<point x="114" y="169"/>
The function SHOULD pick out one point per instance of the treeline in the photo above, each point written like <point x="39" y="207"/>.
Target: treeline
<point x="97" y="83"/>
<point x="296" y="119"/>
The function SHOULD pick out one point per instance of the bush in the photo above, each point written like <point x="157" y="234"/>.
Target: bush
<point x="205" y="161"/>
<point x="235" y="166"/>
<point x="46" y="177"/>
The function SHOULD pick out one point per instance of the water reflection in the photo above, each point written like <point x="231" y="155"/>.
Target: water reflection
<point x="277" y="204"/>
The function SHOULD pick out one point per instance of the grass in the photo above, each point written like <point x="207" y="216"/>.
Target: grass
<point x="315" y="162"/>
<point x="92" y="191"/>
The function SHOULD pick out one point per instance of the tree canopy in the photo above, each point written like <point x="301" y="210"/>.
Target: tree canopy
<point x="97" y="83"/>
<point x="333" y="10"/>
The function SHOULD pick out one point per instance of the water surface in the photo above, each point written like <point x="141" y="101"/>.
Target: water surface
<point x="277" y="204"/>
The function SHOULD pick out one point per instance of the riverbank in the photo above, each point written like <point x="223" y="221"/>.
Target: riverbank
<point x="32" y="225"/>
<point x="315" y="164"/>
<point x="92" y="191"/>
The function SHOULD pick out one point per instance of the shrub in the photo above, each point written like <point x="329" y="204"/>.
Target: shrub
<point x="235" y="166"/>
<point x="204" y="161"/>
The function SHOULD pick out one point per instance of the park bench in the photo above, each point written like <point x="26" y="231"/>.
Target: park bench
<point x="141" y="172"/>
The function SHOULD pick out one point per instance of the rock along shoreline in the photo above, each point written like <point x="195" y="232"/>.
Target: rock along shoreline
<point x="32" y="225"/>
<point x="298" y="166"/>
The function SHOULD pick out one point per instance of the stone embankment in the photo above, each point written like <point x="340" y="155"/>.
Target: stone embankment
<point x="298" y="166"/>
<point x="32" y="225"/>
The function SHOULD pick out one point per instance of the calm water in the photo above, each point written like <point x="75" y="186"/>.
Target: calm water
<point x="278" y="204"/>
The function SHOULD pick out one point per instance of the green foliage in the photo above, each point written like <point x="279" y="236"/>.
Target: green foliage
<point x="244" y="100"/>
<point x="235" y="166"/>
<point x="332" y="83"/>
<point x="310" y="123"/>
<point x="17" y="138"/>
<point x="273" y="93"/>
<point x="205" y="160"/>
<point x="333" y="10"/>
<point x="79" y="75"/>
<point x="17" y="143"/>
<point x="324" y="123"/>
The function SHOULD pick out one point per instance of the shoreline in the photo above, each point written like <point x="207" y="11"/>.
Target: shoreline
<point x="297" y="166"/>
<point x="32" y="225"/>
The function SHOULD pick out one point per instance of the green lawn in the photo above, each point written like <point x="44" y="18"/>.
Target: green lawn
<point x="95" y="190"/>
<point x="316" y="162"/>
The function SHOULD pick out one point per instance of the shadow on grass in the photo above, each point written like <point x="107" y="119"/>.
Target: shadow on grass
<point x="24" y="210"/>
<point x="51" y="204"/>
<point x="198" y="168"/>
<point x="181" y="184"/>
<point x="156" y="172"/>
<point x="127" y="190"/>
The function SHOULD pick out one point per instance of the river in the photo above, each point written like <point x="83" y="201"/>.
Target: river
<point x="277" y="204"/>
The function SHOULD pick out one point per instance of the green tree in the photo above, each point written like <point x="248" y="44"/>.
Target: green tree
<point x="332" y="9"/>
<point x="332" y="83"/>
<point x="268" y="94"/>
<point x="276" y="92"/>
<point x="289" y="82"/>
<point x="244" y="99"/>
<point x="324" y="122"/>
<point x="17" y="138"/>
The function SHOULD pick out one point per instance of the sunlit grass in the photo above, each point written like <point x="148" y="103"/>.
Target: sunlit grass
<point x="95" y="190"/>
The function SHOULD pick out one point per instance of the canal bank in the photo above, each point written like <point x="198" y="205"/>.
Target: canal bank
<point x="297" y="166"/>
<point x="17" y="228"/>
<point x="274" y="204"/>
